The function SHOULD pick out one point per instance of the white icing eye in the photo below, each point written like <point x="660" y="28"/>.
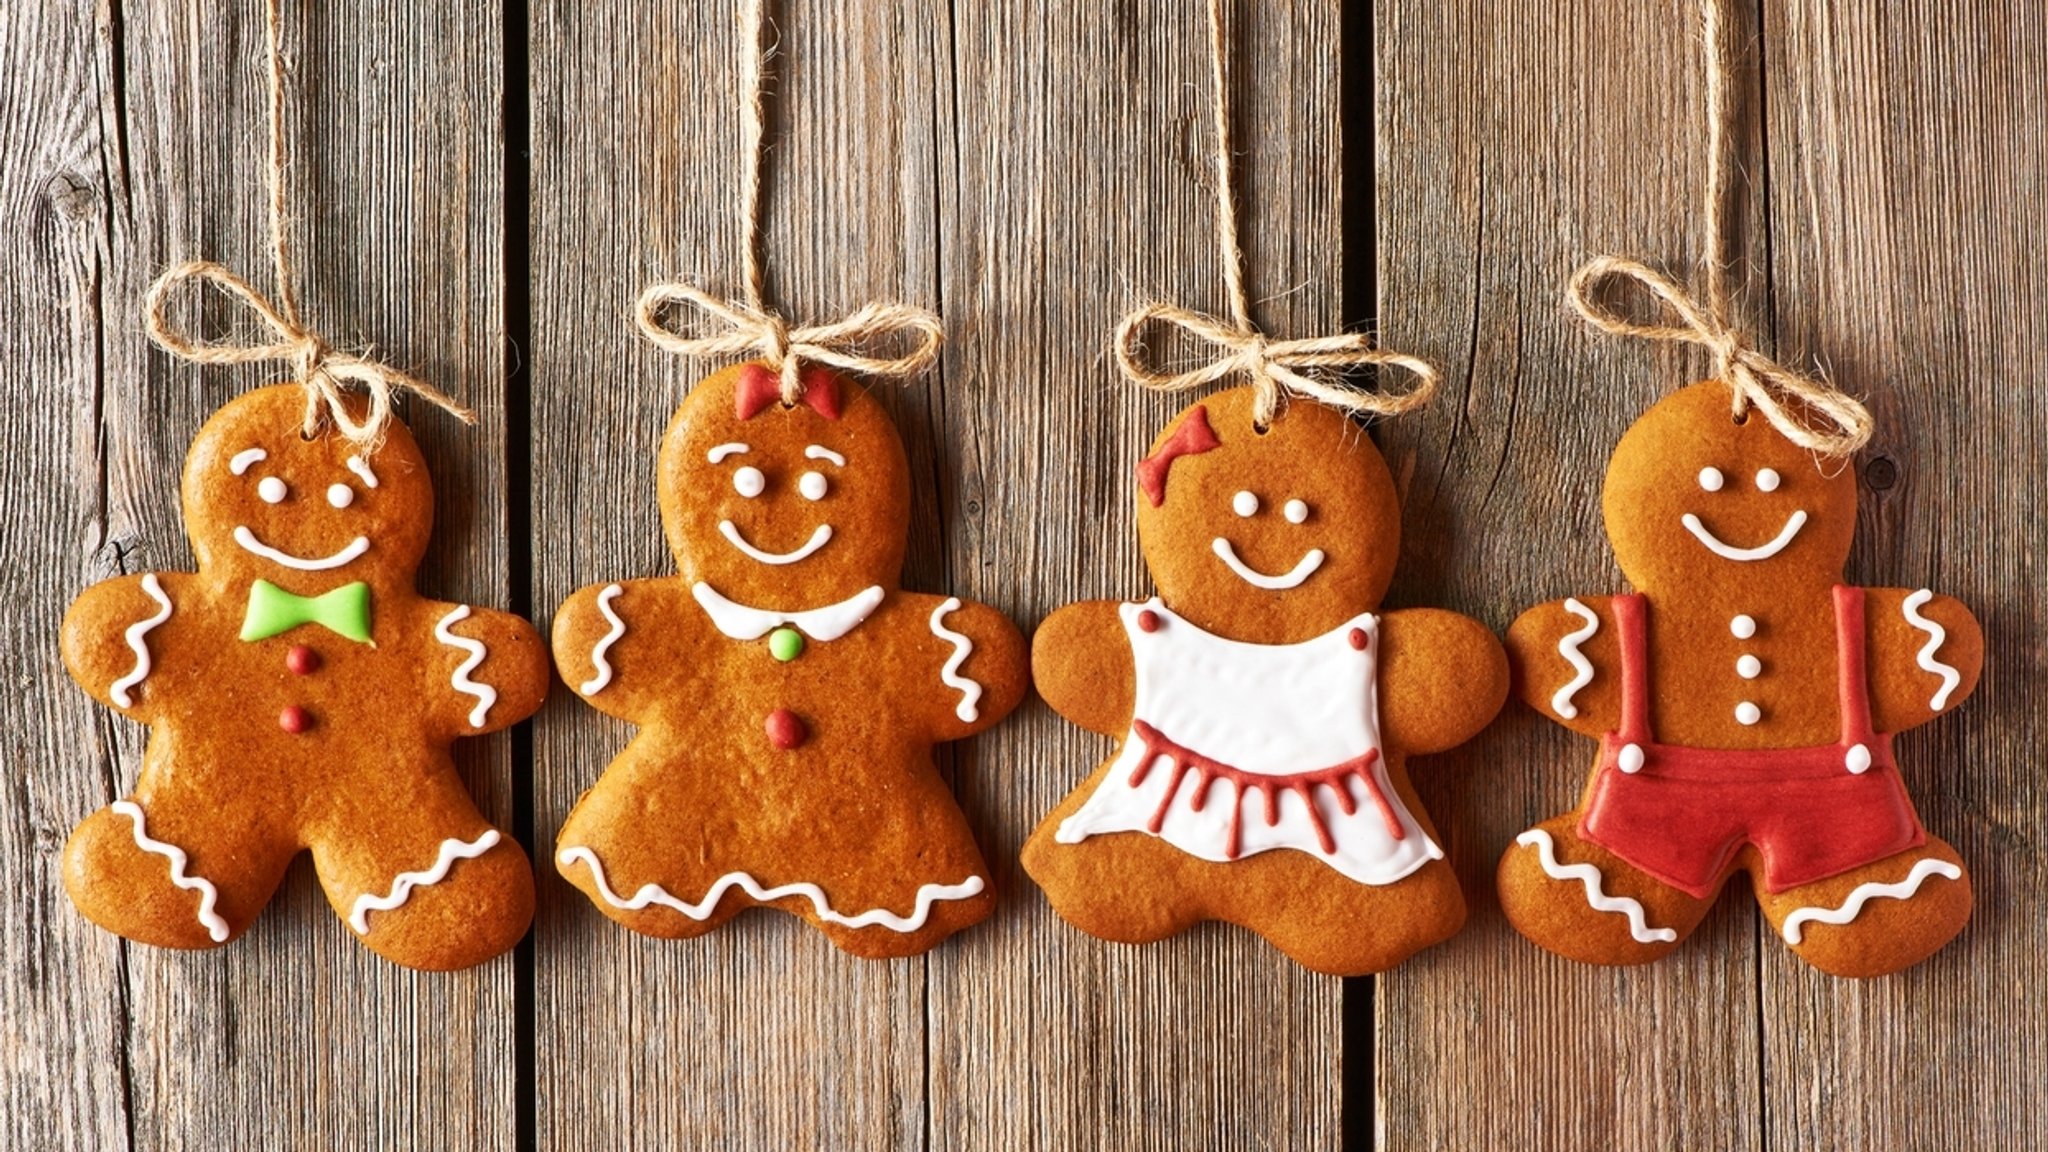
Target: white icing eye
<point x="340" y="495"/>
<point x="1296" y="511"/>
<point x="749" y="482"/>
<point x="1711" y="479"/>
<point x="272" y="490"/>
<point x="1244" y="504"/>
<point x="1767" y="480"/>
<point x="813" y="485"/>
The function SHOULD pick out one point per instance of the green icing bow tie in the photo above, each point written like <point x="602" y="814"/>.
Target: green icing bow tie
<point x="272" y="610"/>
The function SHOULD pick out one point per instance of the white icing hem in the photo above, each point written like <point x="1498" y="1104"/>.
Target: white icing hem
<point x="118" y="691"/>
<point x="970" y="691"/>
<point x="1864" y="894"/>
<point x="1302" y="570"/>
<point x="1596" y="895"/>
<point x="596" y="683"/>
<point x="1761" y="552"/>
<point x="1568" y="647"/>
<point x="251" y="544"/>
<point x="1936" y="637"/>
<point x="216" y="928"/>
<point x="401" y="887"/>
<point x="460" y="681"/>
<point x="651" y="894"/>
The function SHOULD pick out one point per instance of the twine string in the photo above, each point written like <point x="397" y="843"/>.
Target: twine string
<point x="748" y="327"/>
<point x="1312" y="368"/>
<point x="1807" y="410"/>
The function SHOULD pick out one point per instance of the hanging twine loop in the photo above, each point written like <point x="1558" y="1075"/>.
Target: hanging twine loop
<point x="323" y="372"/>
<point x="1827" y="420"/>
<point x="1310" y="368"/>
<point x="747" y="326"/>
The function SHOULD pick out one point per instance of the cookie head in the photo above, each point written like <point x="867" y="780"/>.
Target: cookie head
<point x="1692" y="495"/>
<point x="263" y="501"/>
<point x="784" y="506"/>
<point x="1269" y="536"/>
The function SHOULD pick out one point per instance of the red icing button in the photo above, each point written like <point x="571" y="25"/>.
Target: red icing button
<point x="302" y="660"/>
<point x="1148" y="621"/>
<point x="294" y="720"/>
<point x="1357" y="638"/>
<point x="785" y="730"/>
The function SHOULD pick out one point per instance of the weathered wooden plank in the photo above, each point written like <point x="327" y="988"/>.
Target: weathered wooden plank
<point x="760" y="1035"/>
<point x="1906" y="162"/>
<point x="1083" y="186"/>
<point x="295" y="1036"/>
<point x="1514" y="142"/>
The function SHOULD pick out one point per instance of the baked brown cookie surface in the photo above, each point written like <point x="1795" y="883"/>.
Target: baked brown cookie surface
<point x="300" y="693"/>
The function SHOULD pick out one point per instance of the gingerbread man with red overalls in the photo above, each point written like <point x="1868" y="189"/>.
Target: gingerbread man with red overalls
<point x="301" y="694"/>
<point x="1745" y="702"/>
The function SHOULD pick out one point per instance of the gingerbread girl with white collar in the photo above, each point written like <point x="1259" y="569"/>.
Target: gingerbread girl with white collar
<point x="1745" y="702"/>
<point x="788" y="691"/>
<point x="301" y="694"/>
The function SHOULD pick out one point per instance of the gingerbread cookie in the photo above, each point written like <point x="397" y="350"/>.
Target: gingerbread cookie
<point x="1266" y="711"/>
<point x="301" y="694"/>
<point x="1745" y="701"/>
<point x="788" y="692"/>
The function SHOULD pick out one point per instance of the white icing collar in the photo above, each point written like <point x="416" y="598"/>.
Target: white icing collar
<point x="742" y="622"/>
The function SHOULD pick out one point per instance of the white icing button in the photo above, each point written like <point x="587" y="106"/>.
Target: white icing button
<point x="1631" y="759"/>
<point x="749" y="482"/>
<point x="1748" y="713"/>
<point x="1859" y="760"/>
<point x="813" y="485"/>
<point x="1711" y="479"/>
<point x="272" y="490"/>
<point x="1767" y="480"/>
<point x="1749" y="667"/>
<point x="1743" y="626"/>
<point x="340" y="495"/>
<point x="1296" y="511"/>
<point x="1244" y="504"/>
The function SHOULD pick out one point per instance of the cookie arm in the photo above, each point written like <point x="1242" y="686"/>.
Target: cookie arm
<point x="981" y="667"/>
<point x="110" y="640"/>
<point x="1583" y="694"/>
<point x="1924" y="653"/>
<point x="595" y="641"/>
<point x="1081" y="665"/>
<point x="492" y="670"/>
<point x="1443" y="677"/>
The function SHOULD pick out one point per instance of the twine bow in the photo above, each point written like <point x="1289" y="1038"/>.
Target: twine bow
<point x="750" y="329"/>
<point x="323" y="372"/>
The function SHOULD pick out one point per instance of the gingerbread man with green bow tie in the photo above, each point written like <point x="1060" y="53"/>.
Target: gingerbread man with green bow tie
<point x="300" y="694"/>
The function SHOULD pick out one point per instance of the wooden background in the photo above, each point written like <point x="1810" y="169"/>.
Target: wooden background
<point x="484" y="187"/>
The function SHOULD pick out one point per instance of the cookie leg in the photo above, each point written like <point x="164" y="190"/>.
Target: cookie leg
<point x="1118" y="886"/>
<point x="1329" y="923"/>
<point x="422" y="878"/>
<point x="1878" y="919"/>
<point x="176" y="870"/>
<point x="1584" y="903"/>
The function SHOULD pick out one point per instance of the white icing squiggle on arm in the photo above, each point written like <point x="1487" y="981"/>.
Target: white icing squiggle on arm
<point x="650" y="894"/>
<point x="1568" y="647"/>
<point x="596" y="684"/>
<point x="970" y="691"/>
<point x="401" y="887"/>
<point x="1864" y="894"/>
<point x="1586" y="874"/>
<point x="460" y="681"/>
<point x="216" y="927"/>
<point x="118" y="691"/>
<point x="1936" y="636"/>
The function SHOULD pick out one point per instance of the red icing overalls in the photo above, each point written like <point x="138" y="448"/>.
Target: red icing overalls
<point x="1681" y="814"/>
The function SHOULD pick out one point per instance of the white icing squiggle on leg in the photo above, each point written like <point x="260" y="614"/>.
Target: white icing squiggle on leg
<point x="216" y="927"/>
<point x="596" y="684"/>
<point x="460" y="681"/>
<point x="1794" y="929"/>
<point x="1568" y="647"/>
<point x="1936" y="636"/>
<point x="970" y="691"/>
<point x="136" y="631"/>
<point x="650" y="894"/>
<point x="1596" y="895"/>
<point x="401" y="888"/>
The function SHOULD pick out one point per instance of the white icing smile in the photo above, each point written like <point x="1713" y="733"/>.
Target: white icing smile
<point x="1302" y="569"/>
<point x="1728" y="551"/>
<point x="818" y="539"/>
<point x="250" y="543"/>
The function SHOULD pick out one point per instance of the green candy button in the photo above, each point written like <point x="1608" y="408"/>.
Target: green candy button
<point x="785" y="644"/>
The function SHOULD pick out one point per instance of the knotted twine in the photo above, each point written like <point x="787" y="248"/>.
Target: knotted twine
<point x="1310" y="367"/>
<point x="749" y="326"/>
<point x="1834" y="424"/>
<point x="318" y="368"/>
